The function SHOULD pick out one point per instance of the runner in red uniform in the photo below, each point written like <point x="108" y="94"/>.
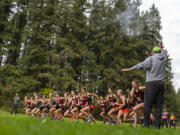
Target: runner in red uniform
<point x="68" y="103"/>
<point x="27" y="104"/>
<point x="103" y="104"/>
<point x="75" y="105"/>
<point x="113" y="100"/>
<point x="123" y="107"/>
<point x="87" y="110"/>
<point x="137" y="93"/>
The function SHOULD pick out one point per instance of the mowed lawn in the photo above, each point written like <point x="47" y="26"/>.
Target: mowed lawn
<point x="26" y="125"/>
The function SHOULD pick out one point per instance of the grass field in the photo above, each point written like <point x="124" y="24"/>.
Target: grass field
<point x="24" y="125"/>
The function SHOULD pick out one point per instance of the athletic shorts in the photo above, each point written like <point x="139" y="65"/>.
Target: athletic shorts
<point x="104" y="110"/>
<point x="79" y="108"/>
<point x="91" y="107"/>
<point x="57" y="107"/>
<point x="126" y="110"/>
<point x="62" y="107"/>
<point x="116" y="107"/>
<point x="32" y="107"/>
<point x="41" y="108"/>
<point x="139" y="102"/>
<point x="172" y="121"/>
<point x="48" y="107"/>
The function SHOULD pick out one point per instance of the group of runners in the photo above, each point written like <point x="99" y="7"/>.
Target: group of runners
<point x="115" y="107"/>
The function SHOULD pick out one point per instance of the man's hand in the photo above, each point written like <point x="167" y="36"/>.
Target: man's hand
<point x="128" y="90"/>
<point x="126" y="69"/>
<point x="160" y="45"/>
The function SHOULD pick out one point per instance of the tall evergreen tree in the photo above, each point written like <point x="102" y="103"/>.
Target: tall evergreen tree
<point x="17" y="24"/>
<point x="5" y="9"/>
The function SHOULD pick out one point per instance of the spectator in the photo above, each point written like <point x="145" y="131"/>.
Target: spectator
<point x="164" y="118"/>
<point x="172" y="120"/>
<point x="15" y="104"/>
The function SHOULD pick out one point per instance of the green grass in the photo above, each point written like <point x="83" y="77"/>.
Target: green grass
<point x="24" y="125"/>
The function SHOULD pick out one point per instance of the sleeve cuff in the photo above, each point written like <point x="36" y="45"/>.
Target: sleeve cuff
<point x="134" y="67"/>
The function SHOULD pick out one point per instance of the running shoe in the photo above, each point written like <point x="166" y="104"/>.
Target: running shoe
<point x="42" y="116"/>
<point x="88" y="120"/>
<point x="61" y="119"/>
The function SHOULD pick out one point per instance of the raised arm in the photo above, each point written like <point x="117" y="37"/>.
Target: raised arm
<point x="162" y="51"/>
<point x="143" y="65"/>
<point x="128" y="92"/>
<point x="132" y="92"/>
<point x="107" y="98"/>
<point x="117" y="99"/>
<point x="142" y="87"/>
<point x="93" y="94"/>
<point x="123" y="101"/>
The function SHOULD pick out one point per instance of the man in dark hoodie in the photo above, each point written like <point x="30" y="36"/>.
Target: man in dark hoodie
<point x="155" y="77"/>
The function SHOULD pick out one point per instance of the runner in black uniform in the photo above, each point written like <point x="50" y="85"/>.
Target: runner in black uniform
<point x="46" y="107"/>
<point x="39" y="106"/>
<point x="48" y="103"/>
<point x="35" y="103"/>
<point x="52" y="101"/>
<point x="42" y="107"/>
<point x="59" y="107"/>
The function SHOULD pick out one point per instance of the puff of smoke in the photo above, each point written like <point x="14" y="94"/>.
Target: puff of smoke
<point x="130" y="21"/>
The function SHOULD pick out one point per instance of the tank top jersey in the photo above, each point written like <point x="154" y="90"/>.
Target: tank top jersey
<point x="28" y="104"/>
<point x="59" y="101"/>
<point x="139" y="94"/>
<point x="82" y="103"/>
<point x="75" y="100"/>
<point x="52" y="101"/>
<point x="112" y="99"/>
<point x="103" y="105"/>
<point x="87" y="99"/>
<point x="68" y="103"/>
<point x="131" y="103"/>
<point x="121" y="102"/>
